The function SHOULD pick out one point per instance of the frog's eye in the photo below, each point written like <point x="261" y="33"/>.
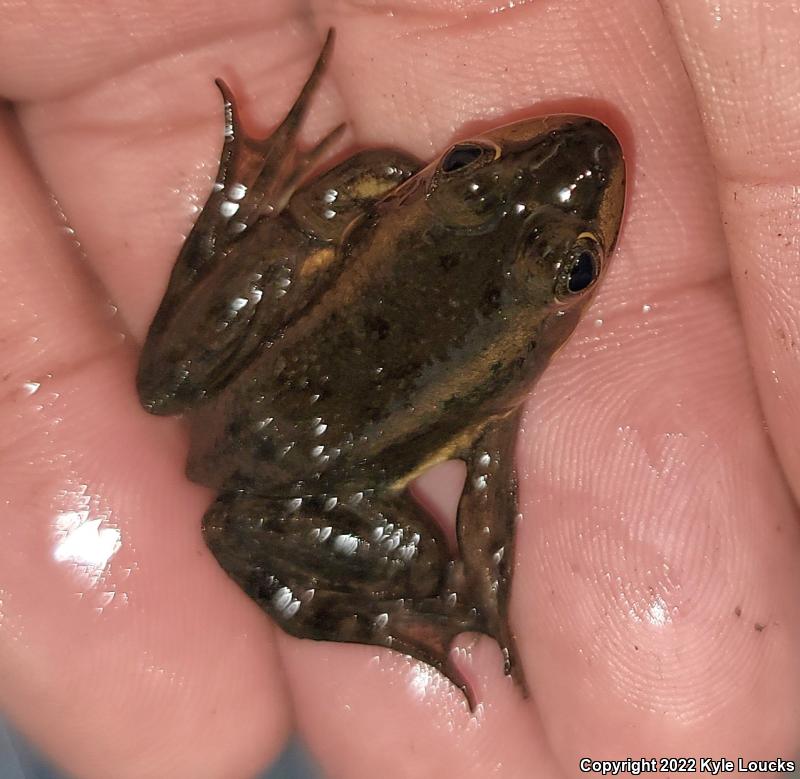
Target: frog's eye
<point x="461" y="155"/>
<point x="464" y="154"/>
<point x="583" y="272"/>
<point x="465" y="190"/>
<point x="582" y="267"/>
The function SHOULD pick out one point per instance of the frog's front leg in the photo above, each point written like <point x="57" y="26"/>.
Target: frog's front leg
<point x="369" y="573"/>
<point x="487" y="516"/>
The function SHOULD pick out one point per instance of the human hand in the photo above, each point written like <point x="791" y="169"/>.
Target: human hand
<point x="657" y="556"/>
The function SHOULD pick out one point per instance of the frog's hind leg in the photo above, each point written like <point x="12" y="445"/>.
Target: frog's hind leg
<point x="487" y="516"/>
<point x="264" y="172"/>
<point x="372" y="573"/>
<point x="250" y="264"/>
<point x="210" y="319"/>
<point x="255" y="176"/>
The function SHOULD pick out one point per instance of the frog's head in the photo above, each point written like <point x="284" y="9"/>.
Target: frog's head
<point x="545" y="195"/>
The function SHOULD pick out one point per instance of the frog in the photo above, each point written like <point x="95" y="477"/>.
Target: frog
<point x="330" y="333"/>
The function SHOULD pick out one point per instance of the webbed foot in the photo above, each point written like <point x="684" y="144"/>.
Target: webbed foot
<point x="372" y="573"/>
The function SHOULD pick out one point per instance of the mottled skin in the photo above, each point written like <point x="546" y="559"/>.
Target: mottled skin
<point x="331" y="341"/>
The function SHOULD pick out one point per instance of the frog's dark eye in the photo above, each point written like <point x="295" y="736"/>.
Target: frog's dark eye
<point x="461" y="155"/>
<point x="583" y="272"/>
<point x="465" y="191"/>
<point x="582" y="267"/>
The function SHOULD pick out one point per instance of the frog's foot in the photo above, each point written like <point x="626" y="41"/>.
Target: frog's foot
<point x="423" y="630"/>
<point x="368" y="574"/>
<point x="492" y="623"/>
<point x="257" y="176"/>
<point x="511" y="663"/>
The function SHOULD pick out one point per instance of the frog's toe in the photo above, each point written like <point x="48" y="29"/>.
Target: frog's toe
<point x="402" y="625"/>
<point x="436" y="654"/>
<point x="513" y="667"/>
<point x="257" y="175"/>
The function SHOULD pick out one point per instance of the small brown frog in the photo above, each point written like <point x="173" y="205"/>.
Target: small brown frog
<point x="329" y="336"/>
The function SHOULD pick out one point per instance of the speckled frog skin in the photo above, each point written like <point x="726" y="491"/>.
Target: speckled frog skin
<point x="331" y="335"/>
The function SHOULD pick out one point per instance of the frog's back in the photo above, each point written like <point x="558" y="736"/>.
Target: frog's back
<point x="405" y="354"/>
<point x="441" y="304"/>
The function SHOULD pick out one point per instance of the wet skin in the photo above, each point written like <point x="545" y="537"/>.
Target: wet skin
<point x="330" y="341"/>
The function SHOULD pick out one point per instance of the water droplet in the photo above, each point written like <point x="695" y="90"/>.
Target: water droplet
<point x="345" y="544"/>
<point x="294" y="504"/>
<point x="381" y="620"/>
<point x="282" y="598"/>
<point x="479" y="482"/>
<point x="228" y="209"/>
<point x="237" y="191"/>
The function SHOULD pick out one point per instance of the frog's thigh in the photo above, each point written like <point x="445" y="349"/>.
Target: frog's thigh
<point x="487" y="514"/>
<point x="379" y="548"/>
<point x="201" y="337"/>
<point x="370" y="574"/>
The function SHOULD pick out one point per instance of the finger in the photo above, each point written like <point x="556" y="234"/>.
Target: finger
<point x="123" y="649"/>
<point x="743" y="60"/>
<point x="31" y="72"/>
<point x="651" y="504"/>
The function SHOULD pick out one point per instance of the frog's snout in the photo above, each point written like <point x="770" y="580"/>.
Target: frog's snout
<point x="588" y="174"/>
<point x="572" y="194"/>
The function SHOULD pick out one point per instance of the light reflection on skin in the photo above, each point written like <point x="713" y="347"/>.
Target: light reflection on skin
<point x="423" y="681"/>
<point x="651" y="609"/>
<point x="83" y="537"/>
<point x="657" y="612"/>
<point x="426" y="685"/>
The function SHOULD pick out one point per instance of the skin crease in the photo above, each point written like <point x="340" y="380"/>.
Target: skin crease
<point x="655" y="592"/>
